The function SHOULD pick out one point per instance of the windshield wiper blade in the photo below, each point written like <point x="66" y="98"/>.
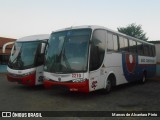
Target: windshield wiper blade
<point x="66" y="62"/>
<point x="17" y="59"/>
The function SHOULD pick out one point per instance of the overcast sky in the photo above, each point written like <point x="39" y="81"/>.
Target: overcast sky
<point x="20" y="18"/>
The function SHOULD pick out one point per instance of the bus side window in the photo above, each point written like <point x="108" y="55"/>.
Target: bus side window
<point x="149" y="50"/>
<point x="132" y="46"/>
<point x="112" y="42"/>
<point x="146" y="49"/>
<point x="154" y="52"/>
<point x="140" y="48"/>
<point x="115" y="39"/>
<point x="123" y="44"/>
<point x="97" y="51"/>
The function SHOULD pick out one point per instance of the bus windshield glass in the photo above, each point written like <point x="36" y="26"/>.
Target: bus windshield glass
<point x="68" y="51"/>
<point x="23" y="55"/>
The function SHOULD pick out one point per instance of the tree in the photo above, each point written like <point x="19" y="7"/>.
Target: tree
<point x="134" y="31"/>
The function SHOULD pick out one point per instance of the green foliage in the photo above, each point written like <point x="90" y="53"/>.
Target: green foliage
<point x="134" y="31"/>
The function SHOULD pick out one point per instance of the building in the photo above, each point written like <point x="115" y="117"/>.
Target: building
<point x="157" y="45"/>
<point x="5" y="49"/>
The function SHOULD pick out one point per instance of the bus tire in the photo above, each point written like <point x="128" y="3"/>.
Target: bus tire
<point x="143" y="80"/>
<point x="108" y="87"/>
<point x="110" y="83"/>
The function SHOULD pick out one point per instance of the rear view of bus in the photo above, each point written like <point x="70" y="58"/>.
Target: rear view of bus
<point x="26" y="60"/>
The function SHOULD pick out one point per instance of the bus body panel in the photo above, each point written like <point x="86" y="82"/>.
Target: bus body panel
<point x="148" y="64"/>
<point x="39" y="75"/>
<point x="26" y="77"/>
<point x="134" y="66"/>
<point x="30" y="77"/>
<point x="113" y="62"/>
<point x="70" y="81"/>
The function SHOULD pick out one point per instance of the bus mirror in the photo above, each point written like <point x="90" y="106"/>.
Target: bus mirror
<point x="43" y="48"/>
<point x="45" y="42"/>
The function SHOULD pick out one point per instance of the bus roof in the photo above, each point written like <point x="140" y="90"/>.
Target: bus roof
<point x="34" y="38"/>
<point x="93" y="27"/>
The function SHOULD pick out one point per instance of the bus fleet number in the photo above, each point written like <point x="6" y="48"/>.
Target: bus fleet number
<point x="76" y="75"/>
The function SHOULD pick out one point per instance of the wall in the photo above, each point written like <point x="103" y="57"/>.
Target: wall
<point x="4" y="57"/>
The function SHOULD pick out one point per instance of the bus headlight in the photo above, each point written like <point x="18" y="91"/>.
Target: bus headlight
<point x="78" y="80"/>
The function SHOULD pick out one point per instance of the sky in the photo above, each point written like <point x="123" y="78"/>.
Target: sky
<point x="19" y="18"/>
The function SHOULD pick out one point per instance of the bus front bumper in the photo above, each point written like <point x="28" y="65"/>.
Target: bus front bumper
<point x="72" y="86"/>
<point x="28" y="80"/>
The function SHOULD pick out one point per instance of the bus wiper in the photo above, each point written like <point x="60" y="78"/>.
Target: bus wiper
<point x="12" y="62"/>
<point x="17" y="59"/>
<point x="66" y="61"/>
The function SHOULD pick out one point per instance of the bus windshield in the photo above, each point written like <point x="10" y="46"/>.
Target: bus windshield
<point x="23" y="55"/>
<point x="68" y="51"/>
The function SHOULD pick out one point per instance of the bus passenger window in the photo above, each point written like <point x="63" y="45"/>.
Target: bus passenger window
<point x="146" y="50"/>
<point x="110" y="46"/>
<point x="140" y="48"/>
<point x="123" y="44"/>
<point x="132" y="46"/>
<point x="112" y="42"/>
<point x="151" y="51"/>
<point x="154" y="52"/>
<point x="115" y="40"/>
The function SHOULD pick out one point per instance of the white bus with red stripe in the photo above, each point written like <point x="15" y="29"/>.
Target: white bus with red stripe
<point x="27" y="59"/>
<point x="89" y="58"/>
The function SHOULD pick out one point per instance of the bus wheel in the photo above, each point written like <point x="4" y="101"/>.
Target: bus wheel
<point x="143" y="80"/>
<point x="108" y="86"/>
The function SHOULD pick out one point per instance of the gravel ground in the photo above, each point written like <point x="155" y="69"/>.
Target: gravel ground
<point x="129" y="97"/>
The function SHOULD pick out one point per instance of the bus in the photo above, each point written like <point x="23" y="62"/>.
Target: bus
<point x="26" y="61"/>
<point x="89" y="58"/>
